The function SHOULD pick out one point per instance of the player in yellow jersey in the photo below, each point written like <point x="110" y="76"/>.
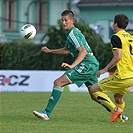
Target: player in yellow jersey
<point x="122" y="79"/>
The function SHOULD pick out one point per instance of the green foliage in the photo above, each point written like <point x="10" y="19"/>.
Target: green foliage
<point x="26" y="55"/>
<point x="20" y="55"/>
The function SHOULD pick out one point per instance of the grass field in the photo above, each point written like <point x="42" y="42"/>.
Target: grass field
<point x="74" y="113"/>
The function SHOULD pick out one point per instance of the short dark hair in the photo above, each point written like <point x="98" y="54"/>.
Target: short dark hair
<point x="68" y="12"/>
<point x="121" y="20"/>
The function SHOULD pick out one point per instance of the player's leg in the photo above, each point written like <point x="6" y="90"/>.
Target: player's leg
<point x="106" y="101"/>
<point x="121" y="106"/>
<point x="102" y="97"/>
<point x="91" y="81"/>
<point x="55" y="96"/>
<point x="116" y="86"/>
<point x="119" y="102"/>
<point x="56" y="93"/>
<point x="96" y="100"/>
<point x="122" y="90"/>
<point x="97" y="95"/>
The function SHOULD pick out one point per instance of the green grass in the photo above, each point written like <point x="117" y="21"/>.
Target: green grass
<point x="74" y="113"/>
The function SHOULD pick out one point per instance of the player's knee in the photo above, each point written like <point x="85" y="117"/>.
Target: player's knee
<point x="57" y="83"/>
<point x="91" y="91"/>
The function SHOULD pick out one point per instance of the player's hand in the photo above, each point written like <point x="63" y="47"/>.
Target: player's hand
<point x="66" y="66"/>
<point x="45" y="49"/>
<point x="102" y="71"/>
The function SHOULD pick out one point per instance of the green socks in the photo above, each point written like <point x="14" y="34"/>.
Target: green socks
<point x="55" y="96"/>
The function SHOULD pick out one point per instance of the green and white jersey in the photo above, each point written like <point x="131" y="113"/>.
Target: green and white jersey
<point x="75" y="39"/>
<point x="84" y="72"/>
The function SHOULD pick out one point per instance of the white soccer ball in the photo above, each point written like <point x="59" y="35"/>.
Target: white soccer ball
<point x="28" y="31"/>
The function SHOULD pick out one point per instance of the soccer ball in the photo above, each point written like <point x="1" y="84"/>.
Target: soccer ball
<point x="28" y="31"/>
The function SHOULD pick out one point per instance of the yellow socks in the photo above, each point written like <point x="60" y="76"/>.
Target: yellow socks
<point x="121" y="106"/>
<point x="105" y="100"/>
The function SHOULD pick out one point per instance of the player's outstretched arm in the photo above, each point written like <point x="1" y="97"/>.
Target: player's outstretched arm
<point x="55" y="51"/>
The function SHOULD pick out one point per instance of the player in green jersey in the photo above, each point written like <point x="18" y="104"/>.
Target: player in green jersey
<point x="81" y="71"/>
<point x="122" y="79"/>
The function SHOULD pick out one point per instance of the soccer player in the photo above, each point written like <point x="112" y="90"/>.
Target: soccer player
<point x="81" y="71"/>
<point x="122" y="79"/>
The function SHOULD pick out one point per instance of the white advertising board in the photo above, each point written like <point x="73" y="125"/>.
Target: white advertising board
<point x="33" y="81"/>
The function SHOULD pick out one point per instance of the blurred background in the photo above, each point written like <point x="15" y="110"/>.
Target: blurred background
<point x="20" y="59"/>
<point x="98" y="14"/>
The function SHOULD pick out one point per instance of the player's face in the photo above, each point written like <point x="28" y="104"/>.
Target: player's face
<point x="67" y="22"/>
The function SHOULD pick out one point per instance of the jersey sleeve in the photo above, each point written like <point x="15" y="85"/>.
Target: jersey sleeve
<point x="76" y="39"/>
<point x="116" y="42"/>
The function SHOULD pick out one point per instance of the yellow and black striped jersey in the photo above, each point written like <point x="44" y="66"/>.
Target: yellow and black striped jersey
<point x="123" y="40"/>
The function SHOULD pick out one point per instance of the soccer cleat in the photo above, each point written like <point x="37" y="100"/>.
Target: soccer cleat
<point x="42" y="115"/>
<point x="125" y="118"/>
<point x="115" y="115"/>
